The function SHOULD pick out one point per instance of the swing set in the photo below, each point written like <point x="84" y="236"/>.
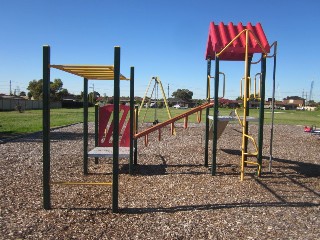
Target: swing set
<point x="155" y="91"/>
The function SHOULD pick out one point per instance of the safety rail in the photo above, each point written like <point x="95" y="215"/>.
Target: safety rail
<point x="248" y="154"/>
<point x="254" y="144"/>
<point x="238" y="117"/>
<point x="256" y="94"/>
<point x="172" y="121"/>
<point x="223" y="86"/>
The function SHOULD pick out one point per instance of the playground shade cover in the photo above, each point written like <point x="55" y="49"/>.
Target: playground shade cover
<point x="221" y="35"/>
<point x="93" y="72"/>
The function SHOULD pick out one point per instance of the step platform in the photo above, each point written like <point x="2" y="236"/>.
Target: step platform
<point x="124" y="152"/>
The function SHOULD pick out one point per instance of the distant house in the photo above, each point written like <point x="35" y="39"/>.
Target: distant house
<point x="123" y="100"/>
<point x="183" y="103"/>
<point x="223" y="102"/>
<point x="292" y="102"/>
<point x="277" y="104"/>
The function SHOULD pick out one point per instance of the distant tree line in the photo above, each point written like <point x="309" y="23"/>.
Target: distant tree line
<point x="57" y="92"/>
<point x="183" y="94"/>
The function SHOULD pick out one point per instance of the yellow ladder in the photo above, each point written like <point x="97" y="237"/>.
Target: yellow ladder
<point x="245" y="154"/>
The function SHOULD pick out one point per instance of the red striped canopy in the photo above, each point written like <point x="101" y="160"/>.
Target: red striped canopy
<point x="221" y="35"/>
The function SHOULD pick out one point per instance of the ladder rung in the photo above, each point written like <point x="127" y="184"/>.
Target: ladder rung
<point x="254" y="163"/>
<point x="251" y="154"/>
<point x="82" y="183"/>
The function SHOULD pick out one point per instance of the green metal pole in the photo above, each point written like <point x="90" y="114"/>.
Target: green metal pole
<point x="116" y="97"/>
<point x="206" y="142"/>
<point x="46" y="128"/>
<point x="273" y="100"/>
<point x="85" y="126"/>
<point x="247" y="110"/>
<point x="215" y="118"/>
<point x="131" y="119"/>
<point x="96" y="129"/>
<point x="135" y="142"/>
<point x="261" y="112"/>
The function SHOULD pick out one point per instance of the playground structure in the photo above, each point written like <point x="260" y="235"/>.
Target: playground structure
<point x="117" y="138"/>
<point x="107" y="133"/>
<point x="238" y="43"/>
<point x="94" y="72"/>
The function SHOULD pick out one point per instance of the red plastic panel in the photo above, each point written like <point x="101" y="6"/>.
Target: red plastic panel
<point x="106" y="126"/>
<point x="221" y="35"/>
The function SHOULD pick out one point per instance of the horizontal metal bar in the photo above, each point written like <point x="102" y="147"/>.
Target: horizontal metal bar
<point x="82" y="183"/>
<point x="172" y="120"/>
<point x="253" y="163"/>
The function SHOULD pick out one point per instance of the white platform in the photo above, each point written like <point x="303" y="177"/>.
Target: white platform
<point x="233" y="118"/>
<point x="124" y="152"/>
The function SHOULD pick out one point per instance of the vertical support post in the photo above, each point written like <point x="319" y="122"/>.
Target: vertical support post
<point x="215" y="118"/>
<point x="247" y="109"/>
<point x="116" y="96"/>
<point x="131" y="119"/>
<point x="135" y="143"/>
<point x="261" y="112"/>
<point x="206" y="141"/>
<point x="244" y="146"/>
<point x="273" y="100"/>
<point x="96" y="129"/>
<point x="46" y="128"/>
<point x="85" y="126"/>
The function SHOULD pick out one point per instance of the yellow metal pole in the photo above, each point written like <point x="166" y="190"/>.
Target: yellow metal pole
<point x="241" y="88"/>
<point x="144" y="98"/>
<point x="246" y="31"/>
<point x="165" y="101"/>
<point x="164" y="97"/>
<point x="245" y="101"/>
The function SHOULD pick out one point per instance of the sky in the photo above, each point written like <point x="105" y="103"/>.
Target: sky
<point x="164" y="38"/>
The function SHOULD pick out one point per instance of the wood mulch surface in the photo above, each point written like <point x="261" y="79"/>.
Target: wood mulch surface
<point x="171" y="195"/>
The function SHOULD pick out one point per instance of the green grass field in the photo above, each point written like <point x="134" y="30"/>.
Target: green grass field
<point x="30" y="121"/>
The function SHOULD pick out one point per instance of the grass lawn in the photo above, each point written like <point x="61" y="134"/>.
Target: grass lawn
<point x="29" y="121"/>
<point x="290" y="117"/>
<point x="13" y="122"/>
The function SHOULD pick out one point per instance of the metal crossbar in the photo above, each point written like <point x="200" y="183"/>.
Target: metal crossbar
<point x="82" y="183"/>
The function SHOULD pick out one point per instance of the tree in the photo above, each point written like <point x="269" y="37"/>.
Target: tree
<point x="22" y="94"/>
<point x="312" y="103"/>
<point x="56" y="85"/>
<point x="92" y="96"/>
<point x="183" y="94"/>
<point x="56" y="90"/>
<point x="35" y="89"/>
<point x="251" y="98"/>
<point x="61" y="94"/>
<point x="29" y="95"/>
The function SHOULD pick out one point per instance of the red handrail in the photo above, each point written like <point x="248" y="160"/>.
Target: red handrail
<point x="172" y="120"/>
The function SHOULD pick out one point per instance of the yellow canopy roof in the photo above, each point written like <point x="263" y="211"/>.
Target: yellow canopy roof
<point x="94" y="72"/>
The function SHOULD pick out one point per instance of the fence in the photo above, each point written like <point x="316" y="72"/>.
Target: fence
<point x="12" y="104"/>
